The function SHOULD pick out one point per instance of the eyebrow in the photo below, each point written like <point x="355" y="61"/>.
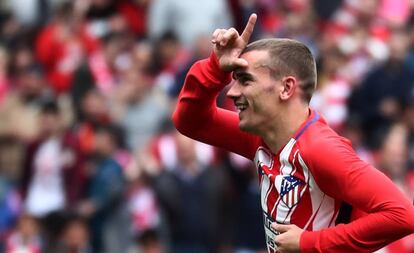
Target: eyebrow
<point x="238" y="74"/>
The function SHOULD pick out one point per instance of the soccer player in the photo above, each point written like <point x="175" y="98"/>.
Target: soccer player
<point x="307" y="172"/>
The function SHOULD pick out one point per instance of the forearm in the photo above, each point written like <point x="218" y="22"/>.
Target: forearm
<point x="366" y="234"/>
<point x="343" y="176"/>
<point x="198" y="117"/>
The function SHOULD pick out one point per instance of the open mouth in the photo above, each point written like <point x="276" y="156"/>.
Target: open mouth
<point x="241" y="106"/>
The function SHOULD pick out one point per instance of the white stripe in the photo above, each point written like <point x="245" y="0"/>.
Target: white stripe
<point x="285" y="169"/>
<point x="263" y="157"/>
<point x="285" y="166"/>
<point x="265" y="187"/>
<point x="306" y="177"/>
<point x="293" y="162"/>
<point x="295" y="194"/>
<point x="323" y="206"/>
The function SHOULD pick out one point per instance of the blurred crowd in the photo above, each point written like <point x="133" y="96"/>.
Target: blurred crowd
<point x="89" y="159"/>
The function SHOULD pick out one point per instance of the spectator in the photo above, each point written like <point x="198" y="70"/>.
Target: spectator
<point x="190" y="191"/>
<point x="62" y="45"/>
<point x="19" y="114"/>
<point x="149" y="242"/>
<point x="377" y="102"/>
<point x="26" y="237"/>
<point x="105" y="202"/>
<point x="75" y="237"/>
<point x="43" y="186"/>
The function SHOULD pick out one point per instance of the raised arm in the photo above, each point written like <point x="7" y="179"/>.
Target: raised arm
<point x="197" y="115"/>
<point x="342" y="175"/>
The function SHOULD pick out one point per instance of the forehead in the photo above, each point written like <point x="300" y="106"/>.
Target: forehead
<point x="257" y="62"/>
<point x="255" y="57"/>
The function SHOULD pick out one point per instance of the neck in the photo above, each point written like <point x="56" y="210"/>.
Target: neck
<point x="281" y="130"/>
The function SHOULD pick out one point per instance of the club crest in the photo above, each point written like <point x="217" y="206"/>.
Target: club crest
<point x="290" y="189"/>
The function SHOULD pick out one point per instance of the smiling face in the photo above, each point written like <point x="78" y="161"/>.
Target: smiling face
<point x="256" y="93"/>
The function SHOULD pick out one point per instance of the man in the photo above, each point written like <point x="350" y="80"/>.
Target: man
<point x="307" y="172"/>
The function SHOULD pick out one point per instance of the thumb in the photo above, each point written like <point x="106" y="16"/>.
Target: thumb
<point x="240" y="62"/>
<point x="280" y="227"/>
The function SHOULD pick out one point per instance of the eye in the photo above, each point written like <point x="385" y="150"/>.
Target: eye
<point x="244" y="81"/>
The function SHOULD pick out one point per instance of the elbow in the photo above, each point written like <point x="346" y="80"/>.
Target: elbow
<point x="405" y="219"/>
<point x="178" y="122"/>
<point x="410" y="219"/>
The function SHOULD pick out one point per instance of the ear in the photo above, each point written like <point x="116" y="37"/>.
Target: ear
<point x="289" y="84"/>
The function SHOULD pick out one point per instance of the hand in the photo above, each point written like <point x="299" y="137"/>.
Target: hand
<point x="228" y="45"/>
<point x="289" y="238"/>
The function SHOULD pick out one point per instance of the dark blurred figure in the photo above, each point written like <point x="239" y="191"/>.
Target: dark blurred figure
<point x="165" y="51"/>
<point x="53" y="164"/>
<point x="101" y="9"/>
<point x="245" y="206"/>
<point x="324" y="9"/>
<point x="377" y="102"/>
<point x="19" y="118"/>
<point x="191" y="193"/>
<point x="75" y="237"/>
<point x="93" y="111"/>
<point x="105" y="204"/>
<point x="10" y="28"/>
<point x="26" y="237"/>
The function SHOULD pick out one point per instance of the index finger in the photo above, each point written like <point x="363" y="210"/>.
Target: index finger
<point x="280" y="227"/>
<point x="248" y="30"/>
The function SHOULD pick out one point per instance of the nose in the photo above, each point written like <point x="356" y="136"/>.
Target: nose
<point x="234" y="91"/>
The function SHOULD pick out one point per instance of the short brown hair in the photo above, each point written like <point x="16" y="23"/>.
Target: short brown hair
<point x="289" y="57"/>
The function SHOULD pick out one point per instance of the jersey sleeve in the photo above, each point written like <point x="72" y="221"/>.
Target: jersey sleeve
<point x="198" y="117"/>
<point x="342" y="175"/>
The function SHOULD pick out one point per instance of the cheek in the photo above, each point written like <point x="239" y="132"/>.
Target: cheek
<point x="264" y="101"/>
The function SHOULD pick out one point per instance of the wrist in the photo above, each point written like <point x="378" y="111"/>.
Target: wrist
<point x="215" y="72"/>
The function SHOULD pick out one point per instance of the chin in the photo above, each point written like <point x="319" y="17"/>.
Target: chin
<point x="246" y="128"/>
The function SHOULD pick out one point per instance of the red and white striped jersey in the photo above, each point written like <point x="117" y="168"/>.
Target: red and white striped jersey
<point x="307" y="181"/>
<point x="289" y="192"/>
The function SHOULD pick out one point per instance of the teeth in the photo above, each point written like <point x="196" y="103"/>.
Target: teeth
<point x="241" y="107"/>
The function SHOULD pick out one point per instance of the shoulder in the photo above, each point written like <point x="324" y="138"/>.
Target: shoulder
<point x="333" y="163"/>
<point x="320" y="137"/>
<point x="322" y="147"/>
